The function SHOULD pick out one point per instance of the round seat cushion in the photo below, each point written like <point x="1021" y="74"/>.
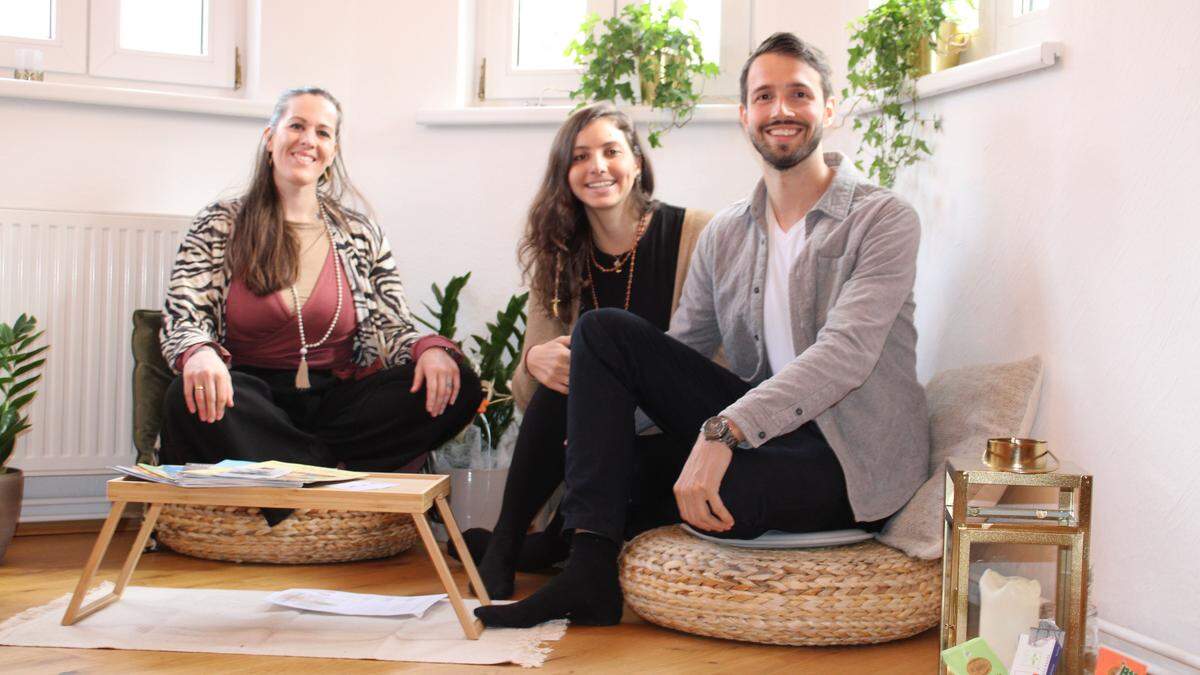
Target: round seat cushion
<point x="839" y="595"/>
<point x="240" y="534"/>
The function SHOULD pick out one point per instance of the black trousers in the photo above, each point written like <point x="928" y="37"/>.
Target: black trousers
<point x="620" y="362"/>
<point x="539" y="457"/>
<point x="372" y="424"/>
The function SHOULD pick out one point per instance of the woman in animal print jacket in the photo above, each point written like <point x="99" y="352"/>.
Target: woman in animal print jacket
<point x="287" y="324"/>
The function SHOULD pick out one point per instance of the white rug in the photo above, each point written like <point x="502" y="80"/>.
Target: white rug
<point x="243" y="622"/>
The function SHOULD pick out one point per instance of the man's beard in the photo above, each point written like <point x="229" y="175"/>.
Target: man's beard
<point x="783" y="162"/>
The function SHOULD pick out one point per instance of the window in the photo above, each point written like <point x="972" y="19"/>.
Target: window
<point x="523" y="43"/>
<point x="999" y="26"/>
<point x="192" y="42"/>
<point x="182" y="41"/>
<point x="1022" y="7"/>
<point x="57" y="27"/>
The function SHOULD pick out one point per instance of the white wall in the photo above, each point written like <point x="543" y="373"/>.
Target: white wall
<point x="1056" y="218"/>
<point x="1059" y="218"/>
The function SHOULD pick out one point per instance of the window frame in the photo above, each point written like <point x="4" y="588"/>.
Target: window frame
<point x="496" y="34"/>
<point x="67" y="51"/>
<point x="497" y="43"/>
<point x="226" y="31"/>
<point x="1000" y="31"/>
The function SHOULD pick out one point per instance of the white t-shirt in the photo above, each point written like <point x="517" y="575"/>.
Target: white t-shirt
<point x="783" y="249"/>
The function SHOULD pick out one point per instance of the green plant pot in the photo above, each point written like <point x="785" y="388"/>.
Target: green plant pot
<point x="12" y="486"/>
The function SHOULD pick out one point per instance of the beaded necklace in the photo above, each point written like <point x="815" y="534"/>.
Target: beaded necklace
<point x="302" y="372"/>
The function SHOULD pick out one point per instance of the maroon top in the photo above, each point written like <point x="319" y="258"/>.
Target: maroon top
<point x="261" y="331"/>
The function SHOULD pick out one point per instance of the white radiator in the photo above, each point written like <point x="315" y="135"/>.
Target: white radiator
<point x="82" y="275"/>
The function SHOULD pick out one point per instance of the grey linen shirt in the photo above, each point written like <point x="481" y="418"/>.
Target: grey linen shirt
<point x="851" y="293"/>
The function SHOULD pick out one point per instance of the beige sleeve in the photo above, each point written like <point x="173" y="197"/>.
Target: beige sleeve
<point x="540" y="328"/>
<point x="693" y="224"/>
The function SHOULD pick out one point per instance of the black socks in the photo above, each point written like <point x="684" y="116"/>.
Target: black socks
<point x="587" y="592"/>
<point x="507" y="554"/>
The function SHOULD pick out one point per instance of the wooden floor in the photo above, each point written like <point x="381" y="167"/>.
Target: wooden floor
<point x="38" y="569"/>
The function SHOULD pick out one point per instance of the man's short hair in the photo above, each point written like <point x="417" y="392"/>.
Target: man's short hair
<point x="789" y="44"/>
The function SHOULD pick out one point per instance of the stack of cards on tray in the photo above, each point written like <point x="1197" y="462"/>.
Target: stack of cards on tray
<point x="238" y="473"/>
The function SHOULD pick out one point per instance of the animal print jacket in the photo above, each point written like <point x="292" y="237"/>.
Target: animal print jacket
<point x="194" y="311"/>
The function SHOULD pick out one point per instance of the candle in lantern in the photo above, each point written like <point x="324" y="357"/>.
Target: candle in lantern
<point x="1008" y="607"/>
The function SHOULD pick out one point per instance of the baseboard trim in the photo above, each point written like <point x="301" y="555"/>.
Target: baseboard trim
<point x="131" y="521"/>
<point x="1162" y="656"/>
<point x="49" y="509"/>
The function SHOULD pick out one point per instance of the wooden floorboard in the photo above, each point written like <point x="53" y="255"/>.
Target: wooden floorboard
<point x="38" y="569"/>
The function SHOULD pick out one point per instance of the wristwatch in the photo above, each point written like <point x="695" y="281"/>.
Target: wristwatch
<point x="717" y="429"/>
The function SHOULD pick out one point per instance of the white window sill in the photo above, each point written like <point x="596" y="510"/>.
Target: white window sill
<point x="134" y="98"/>
<point x="983" y="71"/>
<point x="554" y="115"/>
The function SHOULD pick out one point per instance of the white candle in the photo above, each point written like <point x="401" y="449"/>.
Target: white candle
<point x="1008" y="607"/>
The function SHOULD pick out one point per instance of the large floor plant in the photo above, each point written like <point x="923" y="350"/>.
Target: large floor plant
<point x="889" y="45"/>
<point x="19" y="364"/>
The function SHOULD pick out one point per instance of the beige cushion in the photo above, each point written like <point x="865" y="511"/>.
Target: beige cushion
<point x="967" y="406"/>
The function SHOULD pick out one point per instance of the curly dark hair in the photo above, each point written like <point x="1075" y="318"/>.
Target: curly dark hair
<point x="557" y="234"/>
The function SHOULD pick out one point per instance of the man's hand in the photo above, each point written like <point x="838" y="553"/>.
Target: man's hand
<point x="696" y="490"/>
<point x="550" y="363"/>
<point x="438" y="372"/>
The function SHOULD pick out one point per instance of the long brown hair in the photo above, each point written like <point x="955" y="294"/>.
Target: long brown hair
<point x="554" y="249"/>
<point x="261" y="252"/>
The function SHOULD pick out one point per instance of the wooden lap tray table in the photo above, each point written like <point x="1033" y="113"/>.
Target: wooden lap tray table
<point x="414" y="494"/>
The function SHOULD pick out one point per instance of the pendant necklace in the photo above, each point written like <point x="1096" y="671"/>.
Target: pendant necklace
<point x="302" y="372"/>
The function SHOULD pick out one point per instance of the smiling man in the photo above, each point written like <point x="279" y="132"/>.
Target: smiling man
<point x="818" y="423"/>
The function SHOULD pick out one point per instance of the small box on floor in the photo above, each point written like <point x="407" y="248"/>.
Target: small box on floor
<point x="1114" y="662"/>
<point x="973" y="657"/>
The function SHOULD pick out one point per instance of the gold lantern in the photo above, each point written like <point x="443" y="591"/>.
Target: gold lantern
<point x="1018" y="462"/>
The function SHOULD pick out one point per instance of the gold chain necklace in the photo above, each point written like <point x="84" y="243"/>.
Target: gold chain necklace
<point x="630" y="255"/>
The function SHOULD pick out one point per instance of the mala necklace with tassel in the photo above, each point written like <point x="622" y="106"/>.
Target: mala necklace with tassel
<point x="302" y="372"/>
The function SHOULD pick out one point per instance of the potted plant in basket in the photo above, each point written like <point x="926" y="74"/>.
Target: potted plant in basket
<point x="18" y="364"/>
<point x="648" y="45"/>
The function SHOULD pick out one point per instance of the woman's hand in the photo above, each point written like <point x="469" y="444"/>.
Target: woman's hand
<point x="438" y="371"/>
<point x="550" y="363"/>
<point x="207" y="387"/>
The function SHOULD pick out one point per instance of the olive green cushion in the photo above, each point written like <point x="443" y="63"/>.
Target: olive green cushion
<point x="151" y="377"/>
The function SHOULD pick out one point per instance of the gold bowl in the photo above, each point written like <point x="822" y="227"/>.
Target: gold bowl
<point x="1019" y="455"/>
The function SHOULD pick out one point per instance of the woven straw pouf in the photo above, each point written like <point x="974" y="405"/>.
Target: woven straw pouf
<point x="240" y="534"/>
<point x="841" y="595"/>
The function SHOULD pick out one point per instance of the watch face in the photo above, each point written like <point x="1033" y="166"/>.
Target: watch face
<point x="714" y="428"/>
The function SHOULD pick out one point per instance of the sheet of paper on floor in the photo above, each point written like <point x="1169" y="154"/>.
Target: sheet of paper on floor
<point x="355" y="604"/>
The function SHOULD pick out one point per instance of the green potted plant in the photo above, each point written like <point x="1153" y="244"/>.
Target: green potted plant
<point x="17" y="377"/>
<point x="649" y="45"/>
<point x="890" y="48"/>
<point x="494" y="355"/>
<point x="472" y="459"/>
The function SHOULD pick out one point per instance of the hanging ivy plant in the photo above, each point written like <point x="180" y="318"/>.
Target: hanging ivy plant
<point x="888" y="47"/>
<point x="649" y="45"/>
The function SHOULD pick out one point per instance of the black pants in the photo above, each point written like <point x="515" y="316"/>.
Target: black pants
<point x="620" y="362"/>
<point x="372" y="424"/>
<point x="538" y="466"/>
